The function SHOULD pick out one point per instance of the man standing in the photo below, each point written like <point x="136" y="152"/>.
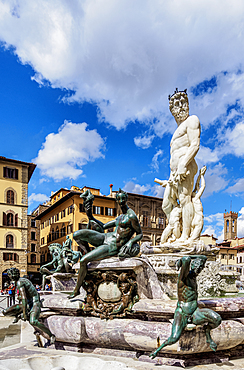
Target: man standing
<point x="184" y="146"/>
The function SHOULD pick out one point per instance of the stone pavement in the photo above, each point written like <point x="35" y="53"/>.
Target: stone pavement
<point x="25" y="351"/>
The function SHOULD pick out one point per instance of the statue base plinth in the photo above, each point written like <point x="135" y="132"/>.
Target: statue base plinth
<point x="212" y="281"/>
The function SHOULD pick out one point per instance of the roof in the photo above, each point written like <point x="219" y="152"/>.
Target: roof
<point x="63" y="199"/>
<point x="210" y="236"/>
<point x="31" y="166"/>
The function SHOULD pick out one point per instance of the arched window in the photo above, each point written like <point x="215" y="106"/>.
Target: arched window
<point x="10" y="219"/>
<point x="10" y="197"/>
<point x="227" y="226"/>
<point x="9" y="241"/>
<point x="33" y="258"/>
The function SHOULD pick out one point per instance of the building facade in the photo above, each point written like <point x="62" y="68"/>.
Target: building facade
<point x="33" y="245"/>
<point x="66" y="214"/>
<point x="14" y="178"/>
<point x="150" y="214"/>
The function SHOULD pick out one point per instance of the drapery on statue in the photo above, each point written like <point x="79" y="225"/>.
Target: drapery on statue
<point x="177" y="201"/>
<point x="29" y="306"/>
<point x="63" y="258"/>
<point x="116" y="243"/>
<point x="187" y="310"/>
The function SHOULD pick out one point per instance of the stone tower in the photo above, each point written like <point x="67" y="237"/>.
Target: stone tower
<point x="230" y="225"/>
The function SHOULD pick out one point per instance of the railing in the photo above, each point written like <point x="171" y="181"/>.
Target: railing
<point x="4" y="301"/>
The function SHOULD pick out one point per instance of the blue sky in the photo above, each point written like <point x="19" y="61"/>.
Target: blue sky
<point x="84" y="94"/>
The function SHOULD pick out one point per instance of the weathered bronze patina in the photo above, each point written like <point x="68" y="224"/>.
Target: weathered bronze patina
<point x="29" y="306"/>
<point x="116" y="305"/>
<point x="63" y="258"/>
<point x="119" y="242"/>
<point x="187" y="310"/>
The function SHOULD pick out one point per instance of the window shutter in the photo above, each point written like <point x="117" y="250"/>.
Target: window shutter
<point x="4" y="171"/>
<point x="16" y="175"/>
<point x="102" y="210"/>
<point x="114" y="212"/>
<point x="94" y="210"/>
<point x="16" y="220"/>
<point x="106" y="211"/>
<point x="4" y="219"/>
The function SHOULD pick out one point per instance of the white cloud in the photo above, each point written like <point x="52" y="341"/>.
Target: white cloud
<point x="214" y="225"/>
<point x="127" y="56"/>
<point x="155" y="160"/>
<point x="40" y="198"/>
<point x="205" y="155"/>
<point x="240" y="223"/>
<point x="215" y="180"/>
<point x="131" y="187"/>
<point x="158" y="191"/>
<point x="64" y="154"/>
<point x="144" y="142"/>
<point x="238" y="187"/>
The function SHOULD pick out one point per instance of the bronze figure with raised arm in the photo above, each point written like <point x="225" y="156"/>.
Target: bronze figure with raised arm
<point x="119" y="242"/>
<point x="187" y="310"/>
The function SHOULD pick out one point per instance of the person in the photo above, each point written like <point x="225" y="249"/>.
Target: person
<point x="184" y="146"/>
<point x="111" y="243"/>
<point x="197" y="222"/>
<point x="187" y="310"/>
<point x="29" y="306"/>
<point x="11" y="293"/>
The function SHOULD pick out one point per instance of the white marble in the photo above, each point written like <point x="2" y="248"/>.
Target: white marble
<point x="61" y="362"/>
<point x="182" y="204"/>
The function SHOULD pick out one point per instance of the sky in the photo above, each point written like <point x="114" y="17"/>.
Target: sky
<point x="84" y="94"/>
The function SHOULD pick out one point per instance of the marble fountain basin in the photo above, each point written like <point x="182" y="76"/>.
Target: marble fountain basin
<point x="61" y="362"/>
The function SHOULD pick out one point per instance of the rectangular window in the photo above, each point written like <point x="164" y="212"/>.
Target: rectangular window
<point x="98" y="210"/>
<point x="63" y="213"/>
<point x="145" y="221"/>
<point x="240" y="259"/>
<point x="82" y="226"/>
<point x="81" y="207"/>
<point x="70" y="209"/>
<point x="33" y="247"/>
<point x="69" y="229"/>
<point x="10" y="173"/>
<point x="56" y="217"/>
<point x="11" y="257"/>
<point x="33" y="223"/>
<point x="42" y="258"/>
<point x="109" y="211"/>
<point x="160" y="222"/>
<point x="33" y="235"/>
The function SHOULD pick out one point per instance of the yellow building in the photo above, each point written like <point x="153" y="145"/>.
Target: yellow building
<point x="14" y="178"/>
<point x="66" y="214"/>
<point x="208" y="239"/>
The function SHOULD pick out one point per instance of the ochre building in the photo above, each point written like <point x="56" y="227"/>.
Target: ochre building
<point x="66" y="214"/>
<point x="14" y="178"/>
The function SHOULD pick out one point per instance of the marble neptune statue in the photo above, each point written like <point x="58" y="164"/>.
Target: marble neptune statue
<point x="179" y="197"/>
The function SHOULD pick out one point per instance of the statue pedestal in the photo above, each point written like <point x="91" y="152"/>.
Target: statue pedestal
<point x="62" y="281"/>
<point x="212" y="281"/>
